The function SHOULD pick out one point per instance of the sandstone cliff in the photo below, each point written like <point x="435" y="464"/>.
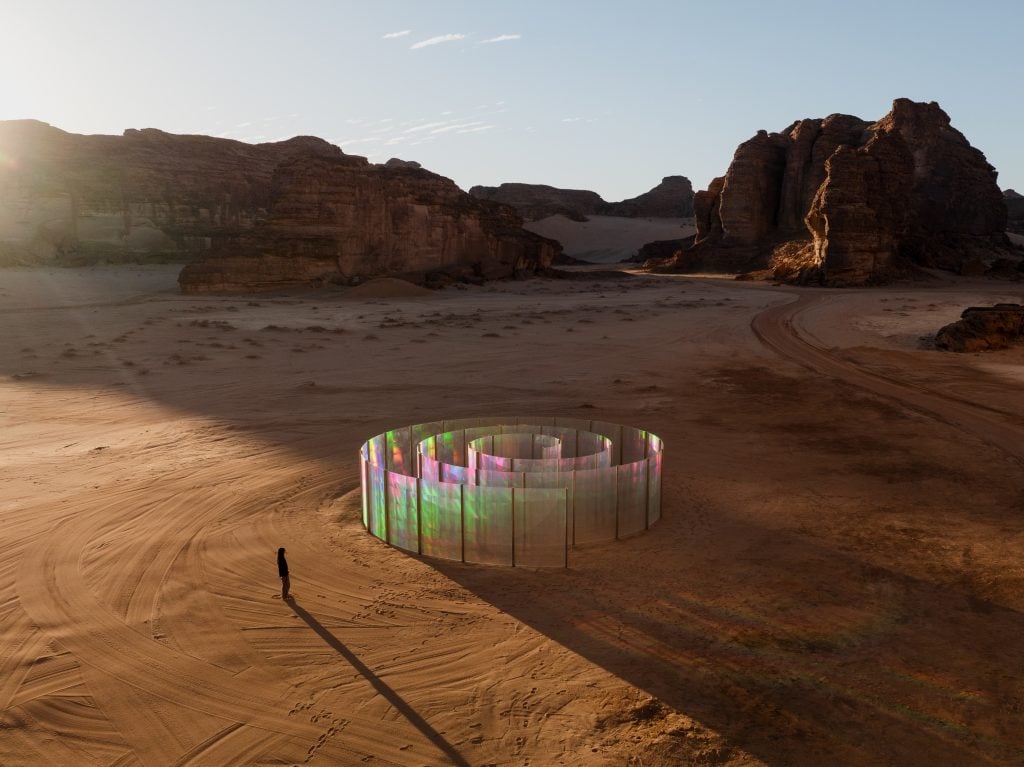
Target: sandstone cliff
<point x="258" y="216"/>
<point x="1014" y="210"/>
<point x="537" y="201"/>
<point x="149" y="195"/>
<point x="336" y="219"/>
<point x="672" y="198"/>
<point x="848" y="202"/>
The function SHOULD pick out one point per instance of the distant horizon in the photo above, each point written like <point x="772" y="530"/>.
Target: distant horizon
<point x="573" y="95"/>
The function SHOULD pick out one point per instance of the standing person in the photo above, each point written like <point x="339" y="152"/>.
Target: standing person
<point x="282" y="570"/>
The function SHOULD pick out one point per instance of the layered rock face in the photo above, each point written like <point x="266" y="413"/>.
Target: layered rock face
<point x="339" y="218"/>
<point x="983" y="328"/>
<point x="1014" y="211"/>
<point x="537" y="201"/>
<point x="672" y="198"/>
<point x="146" y="195"/>
<point x="258" y="216"/>
<point x="847" y="202"/>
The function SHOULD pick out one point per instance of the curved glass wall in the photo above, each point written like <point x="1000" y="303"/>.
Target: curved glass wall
<point x="509" y="491"/>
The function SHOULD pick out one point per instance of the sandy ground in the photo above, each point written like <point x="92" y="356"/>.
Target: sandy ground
<point x="837" y="577"/>
<point x="609" y="239"/>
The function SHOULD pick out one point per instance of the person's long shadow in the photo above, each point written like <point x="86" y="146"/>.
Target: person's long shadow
<point x="389" y="695"/>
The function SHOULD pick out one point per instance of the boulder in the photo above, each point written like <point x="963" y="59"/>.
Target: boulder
<point x="660" y="249"/>
<point x="983" y="328"/>
<point x="846" y="202"/>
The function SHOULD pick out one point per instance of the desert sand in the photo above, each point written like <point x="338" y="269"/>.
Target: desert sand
<point x="836" y="578"/>
<point x="609" y="239"/>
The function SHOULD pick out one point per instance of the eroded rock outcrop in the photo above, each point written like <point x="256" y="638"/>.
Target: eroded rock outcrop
<point x="395" y="162"/>
<point x="335" y="219"/>
<point x="672" y="198"/>
<point x="983" y="328"/>
<point x="537" y="201"/>
<point x="148" y="195"/>
<point x="256" y="216"/>
<point x="1014" y="210"/>
<point x="660" y="249"/>
<point x="847" y="202"/>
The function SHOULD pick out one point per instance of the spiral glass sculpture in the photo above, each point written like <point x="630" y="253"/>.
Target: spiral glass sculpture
<point x="509" y="491"/>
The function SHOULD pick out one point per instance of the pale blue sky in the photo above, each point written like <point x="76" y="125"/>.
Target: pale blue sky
<point x="609" y="96"/>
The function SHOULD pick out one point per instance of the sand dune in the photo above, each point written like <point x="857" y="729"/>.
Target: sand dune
<point x="835" y="578"/>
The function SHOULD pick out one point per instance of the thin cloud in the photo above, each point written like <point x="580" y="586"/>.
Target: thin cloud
<point x="393" y="35"/>
<point x="500" y="39"/>
<point x="425" y="126"/>
<point x="451" y="38"/>
<point x="457" y="126"/>
<point x="475" y="130"/>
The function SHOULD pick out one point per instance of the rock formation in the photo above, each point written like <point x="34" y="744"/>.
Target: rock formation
<point x="983" y="328"/>
<point x="257" y="216"/>
<point x="672" y="198"/>
<point x="394" y="162"/>
<point x="537" y="201"/>
<point x="338" y="218"/>
<point x="660" y="249"/>
<point x="1014" y="211"/>
<point x="847" y="202"/>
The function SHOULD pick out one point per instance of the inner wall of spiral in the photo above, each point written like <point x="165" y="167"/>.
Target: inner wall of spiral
<point x="510" y="491"/>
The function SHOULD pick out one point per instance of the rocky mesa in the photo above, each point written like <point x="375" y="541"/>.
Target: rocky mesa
<point x="246" y="217"/>
<point x="842" y="201"/>
<point x="672" y="198"/>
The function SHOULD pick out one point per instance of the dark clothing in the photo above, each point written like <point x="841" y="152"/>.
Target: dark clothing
<point x="282" y="565"/>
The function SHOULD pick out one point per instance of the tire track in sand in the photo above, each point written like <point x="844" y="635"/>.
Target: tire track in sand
<point x="114" y="655"/>
<point x="777" y="328"/>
